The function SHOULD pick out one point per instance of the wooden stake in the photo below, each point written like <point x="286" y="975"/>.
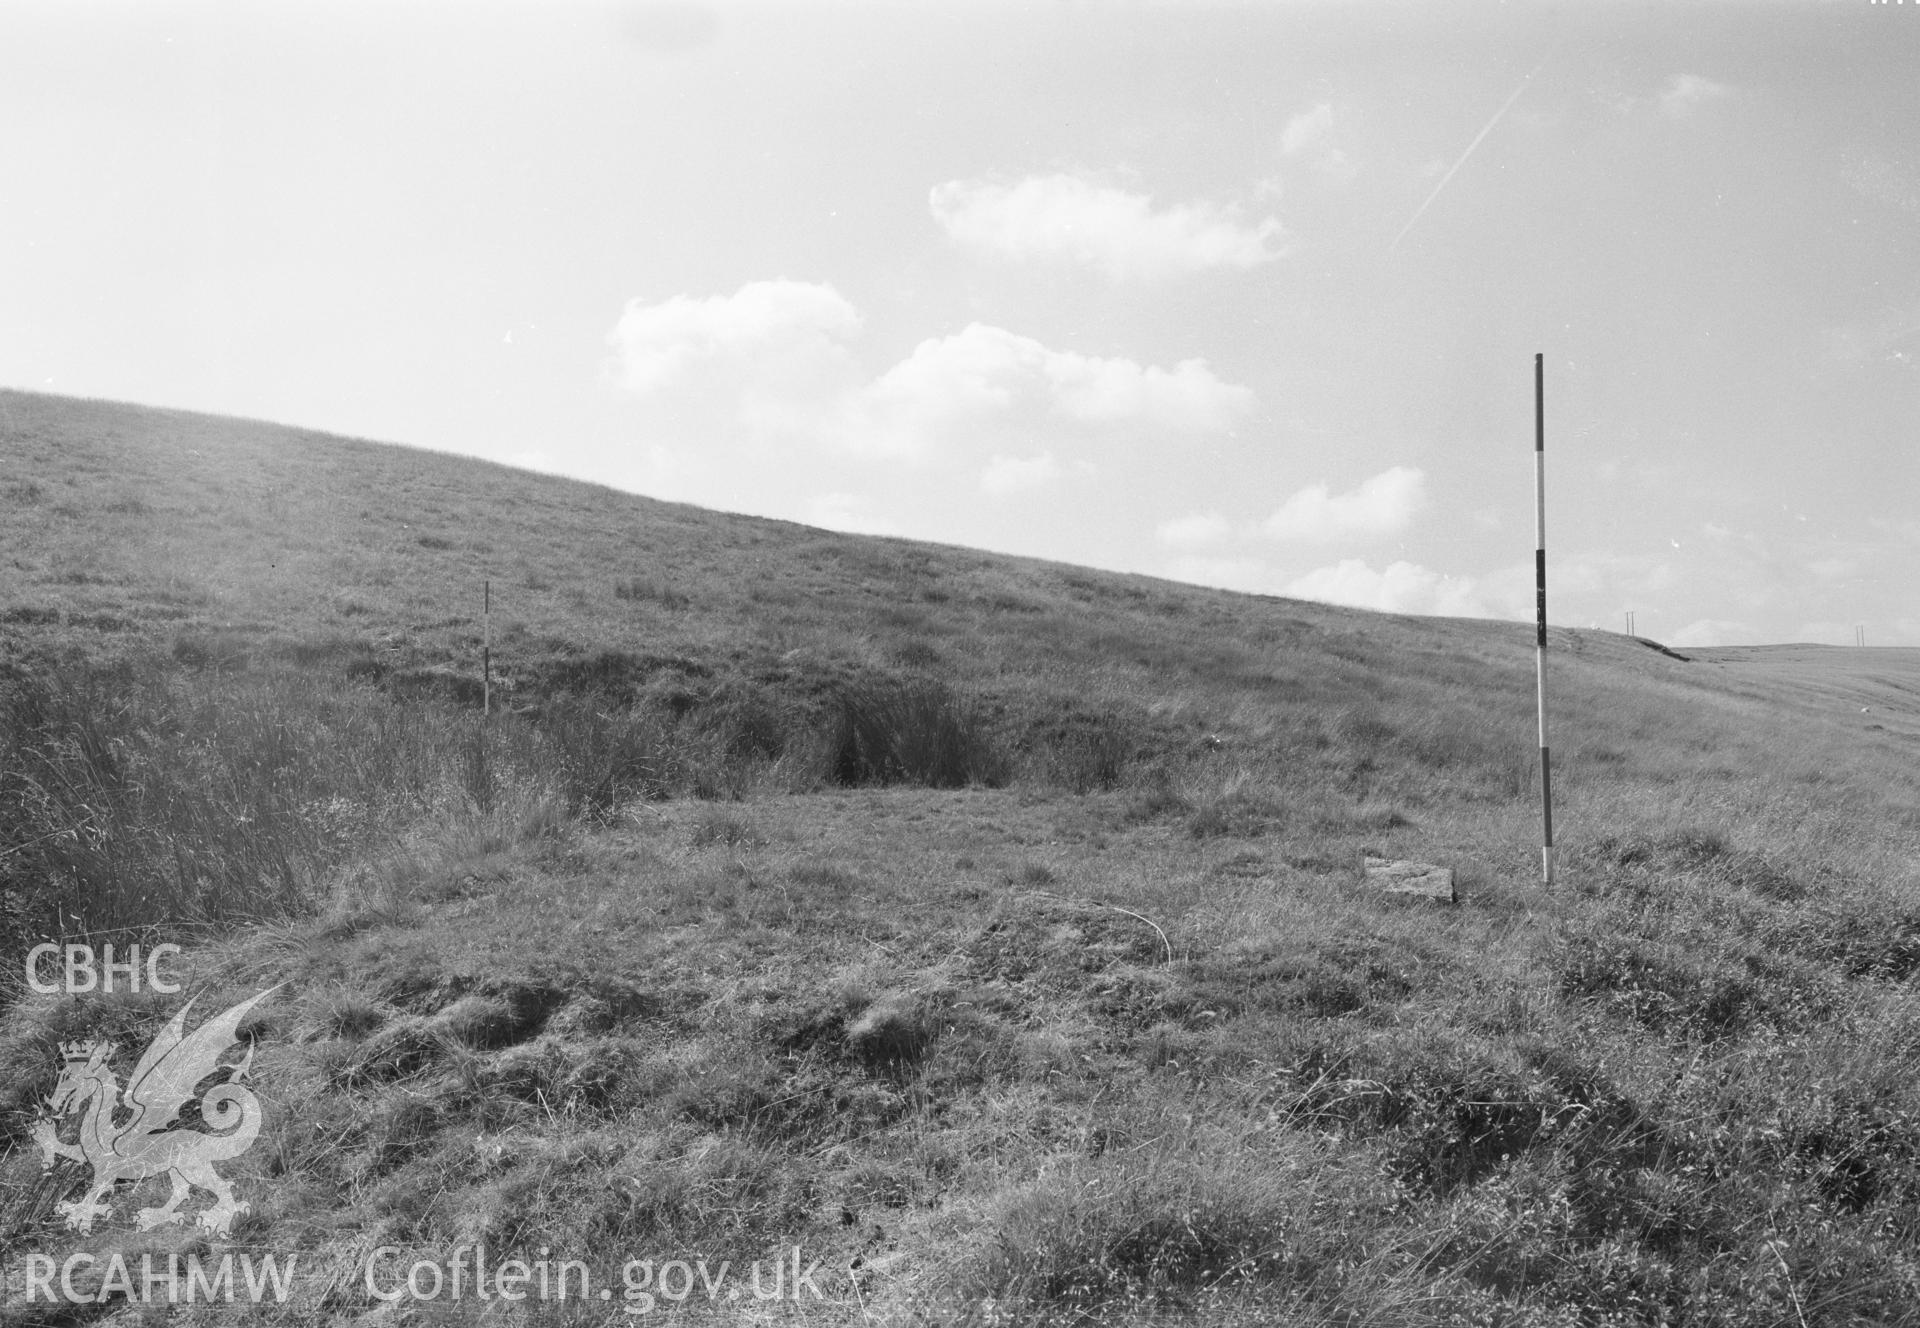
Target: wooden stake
<point x="1540" y="597"/>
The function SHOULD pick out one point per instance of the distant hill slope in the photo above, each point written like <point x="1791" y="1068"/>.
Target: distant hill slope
<point x="224" y="542"/>
<point x="156" y="517"/>
<point x="259" y="537"/>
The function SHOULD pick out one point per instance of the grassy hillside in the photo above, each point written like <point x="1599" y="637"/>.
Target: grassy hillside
<point x="991" y="930"/>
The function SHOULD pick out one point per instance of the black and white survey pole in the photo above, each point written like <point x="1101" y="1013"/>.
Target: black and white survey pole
<point x="1540" y="596"/>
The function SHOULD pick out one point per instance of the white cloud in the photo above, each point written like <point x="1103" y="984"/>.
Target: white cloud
<point x="985" y="374"/>
<point x="771" y="369"/>
<point x="1402" y="587"/>
<point x="1308" y="137"/>
<point x="1381" y="506"/>
<point x="1685" y="92"/>
<point x="1187" y="397"/>
<point x="781" y="330"/>
<point x="1007" y="475"/>
<point x="1306" y="129"/>
<point x="1190" y="532"/>
<point x="1120" y="233"/>
<point x="945" y="382"/>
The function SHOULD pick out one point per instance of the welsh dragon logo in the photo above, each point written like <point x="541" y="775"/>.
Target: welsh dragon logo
<point x="137" y="1133"/>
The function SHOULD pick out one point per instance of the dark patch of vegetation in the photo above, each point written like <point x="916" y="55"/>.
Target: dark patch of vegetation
<point x="1083" y="750"/>
<point x="615" y="675"/>
<point x="1691" y="985"/>
<point x="1669" y="653"/>
<point x="605" y="758"/>
<point x="1183" y="1224"/>
<point x="128" y="802"/>
<point x="1860" y="1145"/>
<point x="917" y="654"/>
<point x="100" y="622"/>
<point x="655" y="591"/>
<point x="1874" y="939"/>
<point x="892" y="1034"/>
<point x="226" y="650"/>
<point x="439" y="682"/>
<point x="350" y="654"/>
<point x="1649" y="865"/>
<point x="917" y="731"/>
<point x="30" y="615"/>
<point x="1007" y="602"/>
<point x="727" y="828"/>
<point x="752" y="721"/>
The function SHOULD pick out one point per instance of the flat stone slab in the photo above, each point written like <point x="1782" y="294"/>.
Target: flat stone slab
<point x="1397" y="876"/>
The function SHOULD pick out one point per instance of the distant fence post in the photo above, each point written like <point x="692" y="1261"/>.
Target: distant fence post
<point x="1540" y="597"/>
<point x="486" y="648"/>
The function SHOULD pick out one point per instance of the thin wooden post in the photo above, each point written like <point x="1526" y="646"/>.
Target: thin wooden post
<point x="1540" y="597"/>
<point x="486" y="648"/>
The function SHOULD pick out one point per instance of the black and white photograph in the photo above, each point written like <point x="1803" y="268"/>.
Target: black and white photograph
<point x="968" y="664"/>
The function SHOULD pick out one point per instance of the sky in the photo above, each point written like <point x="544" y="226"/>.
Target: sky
<point x="1242" y="294"/>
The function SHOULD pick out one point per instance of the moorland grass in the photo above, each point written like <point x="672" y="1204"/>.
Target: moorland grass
<point x="992" y="929"/>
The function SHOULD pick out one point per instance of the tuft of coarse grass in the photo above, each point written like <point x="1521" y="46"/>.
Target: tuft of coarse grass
<point x="1190" y="1219"/>
<point x="727" y="828"/>
<point x="130" y="801"/>
<point x="916" y="731"/>
<point x="608" y="757"/>
<point x="891" y="1033"/>
<point x="1094" y="755"/>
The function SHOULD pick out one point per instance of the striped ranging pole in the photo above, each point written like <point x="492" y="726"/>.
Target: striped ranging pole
<point x="1540" y="597"/>
<point x="486" y="647"/>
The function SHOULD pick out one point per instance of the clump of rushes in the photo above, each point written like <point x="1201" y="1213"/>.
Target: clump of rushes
<point x="915" y="731"/>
